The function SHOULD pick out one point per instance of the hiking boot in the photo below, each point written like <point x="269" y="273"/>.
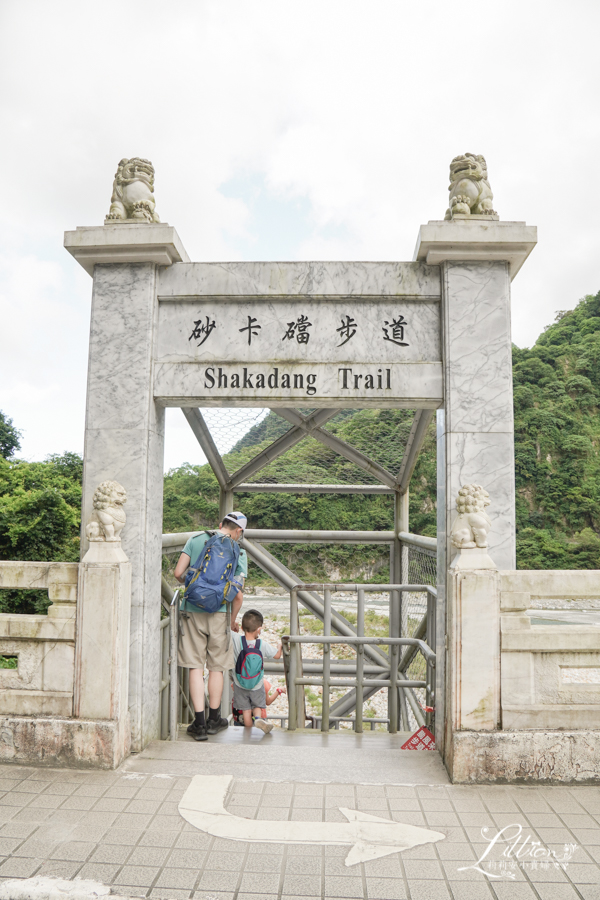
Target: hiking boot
<point x="265" y="727"/>
<point x="214" y="725"/>
<point x="198" y="732"/>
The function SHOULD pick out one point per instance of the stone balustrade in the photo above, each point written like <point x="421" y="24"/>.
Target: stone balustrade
<point x="42" y="683"/>
<point x="550" y="674"/>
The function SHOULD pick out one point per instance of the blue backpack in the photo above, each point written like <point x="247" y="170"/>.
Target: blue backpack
<point x="249" y="665"/>
<point x="208" y="581"/>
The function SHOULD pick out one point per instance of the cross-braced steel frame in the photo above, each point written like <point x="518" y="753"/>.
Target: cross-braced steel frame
<point x="390" y="669"/>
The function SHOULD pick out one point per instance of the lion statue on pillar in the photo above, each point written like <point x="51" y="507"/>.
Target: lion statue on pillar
<point x="133" y="192"/>
<point x="470" y="191"/>
<point x="472" y="525"/>
<point x="108" y="517"/>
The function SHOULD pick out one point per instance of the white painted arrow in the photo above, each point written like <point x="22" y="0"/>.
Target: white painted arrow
<point x="203" y="807"/>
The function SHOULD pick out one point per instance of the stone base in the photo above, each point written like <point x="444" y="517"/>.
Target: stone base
<point x="87" y="743"/>
<point x="509" y="757"/>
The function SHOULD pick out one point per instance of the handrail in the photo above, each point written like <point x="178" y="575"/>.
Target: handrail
<point x="176" y="540"/>
<point x="418" y="540"/>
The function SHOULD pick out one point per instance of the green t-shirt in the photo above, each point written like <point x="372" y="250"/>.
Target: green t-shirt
<point x="193" y="548"/>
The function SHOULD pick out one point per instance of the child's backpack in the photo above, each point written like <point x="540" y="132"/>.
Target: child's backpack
<point x="249" y="665"/>
<point x="208" y="580"/>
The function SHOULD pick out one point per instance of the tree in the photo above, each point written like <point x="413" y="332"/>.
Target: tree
<point x="10" y="437"/>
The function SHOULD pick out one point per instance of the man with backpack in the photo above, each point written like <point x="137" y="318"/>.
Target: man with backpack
<point x="248" y="679"/>
<point x="213" y="567"/>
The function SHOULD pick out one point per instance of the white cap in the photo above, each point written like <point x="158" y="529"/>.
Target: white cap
<point x="238" y="518"/>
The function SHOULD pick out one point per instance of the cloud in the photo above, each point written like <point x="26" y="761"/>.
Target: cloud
<point x="283" y="130"/>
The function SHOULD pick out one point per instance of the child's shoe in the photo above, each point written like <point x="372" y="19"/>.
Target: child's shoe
<point x="265" y="727"/>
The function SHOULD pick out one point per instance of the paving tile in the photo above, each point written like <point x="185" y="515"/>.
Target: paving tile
<point x="587" y="837"/>
<point x="147" y="856"/>
<point x="19" y="867"/>
<point x="264" y="863"/>
<point x="102" y="872"/>
<point x="346" y="887"/>
<point x="167" y="808"/>
<point x="184" y="859"/>
<point x="582" y="873"/>
<point x="514" y="891"/>
<point x="122" y="836"/>
<point x="418" y="868"/>
<point x="61" y="788"/>
<point x="462" y="853"/>
<point x="17" y="829"/>
<point x="48" y="801"/>
<point x="437" y="819"/>
<point x="373" y="804"/>
<point x="405" y="803"/>
<point x="557" y="892"/>
<point x="33" y="814"/>
<point x="213" y="895"/>
<point x="153" y="793"/>
<point x="122" y="791"/>
<point x="427" y="851"/>
<point x="30" y="787"/>
<point x="76" y="801"/>
<point x="92" y="833"/>
<point x="145" y="806"/>
<point x="133" y="820"/>
<point x="169" y="894"/>
<point x="466" y="890"/>
<point x="35" y="848"/>
<point x="302" y="885"/>
<point x="194" y="841"/>
<point x="388" y="867"/>
<point x="59" y="868"/>
<point x="14" y="798"/>
<point x="8" y="845"/>
<point x="307" y="789"/>
<point x="305" y="865"/>
<point x="110" y="804"/>
<point x="110" y="853"/>
<point x="307" y="802"/>
<point x="282" y="800"/>
<point x="304" y="815"/>
<point x="259" y="884"/>
<point x="222" y="862"/>
<point x="90" y="790"/>
<point x="385" y="889"/>
<point x="247" y="896"/>
<point x="272" y="814"/>
<point x="158" y="838"/>
<point x="413" y="818"/>
<point x="428" y="890"/>
<point x="177" y="878"/>
<point x="545" y="820"/>
<point x="589" y="891"/>
<point x="218" y="881"/>
<point x="138" y="876"/>
<point x="166" y="823"/>
<point x="73" y="850"/>
<point x="480" y="819"/>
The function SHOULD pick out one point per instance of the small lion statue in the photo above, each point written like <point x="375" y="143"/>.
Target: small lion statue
<point x="470" y="191"/>
<point x="108" y="518"/>
<point x="133" y="192"/>
<point x="471" y="527"/>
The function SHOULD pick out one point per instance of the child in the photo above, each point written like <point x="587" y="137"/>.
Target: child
<point x="271" y="694"/>
<point x="248" y="679"/>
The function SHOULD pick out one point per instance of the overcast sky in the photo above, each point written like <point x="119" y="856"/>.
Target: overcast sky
<point x="320" y="129"/>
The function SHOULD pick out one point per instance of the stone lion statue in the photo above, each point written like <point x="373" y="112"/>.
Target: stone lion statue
<point x="472" y="524"/>
<point x="108" y="518"/>
<point x="133" y="192"/>
<point x="470" y="191"/>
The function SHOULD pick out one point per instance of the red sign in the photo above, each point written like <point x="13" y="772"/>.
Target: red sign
<point x="420" y="740"/>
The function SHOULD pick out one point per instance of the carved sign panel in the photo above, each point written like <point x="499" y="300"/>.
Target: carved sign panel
<point x="303" y="332"/>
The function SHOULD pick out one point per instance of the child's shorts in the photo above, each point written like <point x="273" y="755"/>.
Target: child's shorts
<point x="244" y="699"/>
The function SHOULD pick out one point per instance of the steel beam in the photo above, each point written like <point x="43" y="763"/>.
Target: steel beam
<point x="204" y="438"/>
<point x="277" y="536"/>
<point x="341" y="447"/>
<point x="269" y="488"/>
<point x="282" y="445"/>
<point x="416" y="437"/>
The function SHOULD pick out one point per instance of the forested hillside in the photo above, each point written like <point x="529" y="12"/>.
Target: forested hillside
<point x="557" y="442"/>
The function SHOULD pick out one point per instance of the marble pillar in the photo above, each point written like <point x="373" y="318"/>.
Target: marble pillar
<point x="124" y="431"/>
<point x="475" y="428"/>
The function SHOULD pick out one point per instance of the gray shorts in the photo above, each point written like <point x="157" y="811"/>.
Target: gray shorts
<point x="244" y="699"/>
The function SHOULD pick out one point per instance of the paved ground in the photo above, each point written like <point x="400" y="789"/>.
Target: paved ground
<point x="123" y="828"/>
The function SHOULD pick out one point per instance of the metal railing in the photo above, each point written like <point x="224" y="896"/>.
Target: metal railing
<point x="392" y="663"/>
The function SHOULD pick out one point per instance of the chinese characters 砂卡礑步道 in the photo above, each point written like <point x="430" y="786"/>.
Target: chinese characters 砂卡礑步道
<point x="252" y="328"/>
<point x="347" y="329"/>
<point x="298" y="330"/>
<point x="397" y="329"/>
<point x="202" y="330"/>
